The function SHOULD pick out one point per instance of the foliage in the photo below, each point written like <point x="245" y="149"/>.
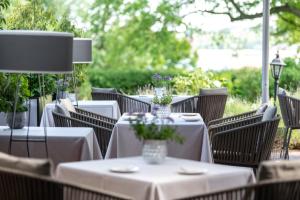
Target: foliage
<point x="160" y="81"/>
<point x="8" y="84"/>
<point x="134" y="34"/>
<point x="127" y="79"/>
<point x="41" y="15"/>
<point x="146" y="131"/>
<point x="191" y="82"/>
<point x="3" y="5"/>
<point x="166" y="99"/>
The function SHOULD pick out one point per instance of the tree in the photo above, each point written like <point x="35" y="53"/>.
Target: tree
<point x="3" y="5"/>
<point x="132" y="34"/>
<point x="287" y="11"/>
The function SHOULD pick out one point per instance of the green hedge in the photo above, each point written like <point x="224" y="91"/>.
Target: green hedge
<point x="243" y="83"/>
<point x="128" y="80"/>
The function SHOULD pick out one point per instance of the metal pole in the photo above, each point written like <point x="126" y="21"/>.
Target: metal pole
<point x="265" y="52"/>
<point x="275" y="90"/>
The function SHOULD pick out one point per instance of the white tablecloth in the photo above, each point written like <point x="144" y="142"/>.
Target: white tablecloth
<point x="105" y="108"/>
<point x="123" y="142"/>
<point x="64" y="144"/>
<point x="155" y="182"/>
<point x="148" y="98"/>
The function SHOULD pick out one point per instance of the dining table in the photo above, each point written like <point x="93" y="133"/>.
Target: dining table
<point x="106" y="108"/>
<point x="196" y="145"/>
<point x="63" y="144"/>
<point x="175" y="178"/>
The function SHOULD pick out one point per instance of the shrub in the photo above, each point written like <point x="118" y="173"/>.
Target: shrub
<point x="191" y="82"/>
<point x="127" y="80"/>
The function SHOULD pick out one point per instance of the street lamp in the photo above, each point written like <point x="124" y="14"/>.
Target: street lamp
<point x="276" y="68"/>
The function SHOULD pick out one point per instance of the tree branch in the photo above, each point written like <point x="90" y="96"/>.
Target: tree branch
<point x="286" y="8"/>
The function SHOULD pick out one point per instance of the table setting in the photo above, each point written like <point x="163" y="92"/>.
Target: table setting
<point x="172" y="179"/>
<point x="125" y="142"/>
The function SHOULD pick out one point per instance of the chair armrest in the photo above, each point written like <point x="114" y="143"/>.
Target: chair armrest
<point x="96" y="116"/>
<point x="92" y="120"/>
<point x="232" y="118"/>
<point x="233" y="124"/>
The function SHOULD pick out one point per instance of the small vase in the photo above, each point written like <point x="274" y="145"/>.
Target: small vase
<point x="155" y="151"/>
<point x="163" y="111"/>
<point x="20" y="120"/>
<point x="159" y="92"/>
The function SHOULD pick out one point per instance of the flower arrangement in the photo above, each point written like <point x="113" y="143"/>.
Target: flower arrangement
<point x="160" y="81"/>
<point x="152" y="131"/>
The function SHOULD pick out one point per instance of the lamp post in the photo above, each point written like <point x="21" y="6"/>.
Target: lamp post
<point x="276" y="68"/>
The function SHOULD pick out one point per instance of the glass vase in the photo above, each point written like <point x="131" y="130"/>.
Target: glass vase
<point x="155" y="151"/>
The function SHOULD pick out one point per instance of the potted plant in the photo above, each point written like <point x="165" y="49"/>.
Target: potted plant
<point x="8" y="84"/>
<point x="155" y="137"/>
<point x="162" y="105"/>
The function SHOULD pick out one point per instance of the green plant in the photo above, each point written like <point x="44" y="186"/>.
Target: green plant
<point x="8" y="85"/>
<point x="160" y="81"/>
<point x="146" y="131"/>
<point x="166" y="99"/>
<point x="191" y="82"/>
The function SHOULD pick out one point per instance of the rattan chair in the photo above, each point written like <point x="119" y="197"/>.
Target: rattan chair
<point x="290" y="111"/>
<point x="188" y="105"/>
<point x="129" y="105"/>
<point x="210" y="106"/>
<point x="253" y="113"/>
<point x="101" y="128"/>
<point x="244" y="142"/>
<point x="268" y="190"/>
<point x="16" y="185"/>
<point x="126" y="103"/>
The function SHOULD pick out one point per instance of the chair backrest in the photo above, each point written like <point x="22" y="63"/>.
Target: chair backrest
<point x="61" y="120"/>
<point x="109" y="94"/>
<point x="246" y="145"/>
<point x="17" y="185"/>
<point x="188" y="105"/>
<point x="290" y="110"/>
<point x="211" y="103"/>
<point x="269" y="190"/>
<point x="129" y="104"/>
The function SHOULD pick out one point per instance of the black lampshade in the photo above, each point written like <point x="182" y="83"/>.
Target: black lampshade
<point x="36" y="52"/>
<point x="82" y="50"/>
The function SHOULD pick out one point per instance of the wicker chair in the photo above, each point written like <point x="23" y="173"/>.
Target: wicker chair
<point x="101" y="128"/>
<point x="268" y="190"/>
<point x="126" y="103"/>
<point x="16" y="185"/>
<point x="290" y="111"/>
<point x="209" y="106"/>
<point x="244" y="142"/>
<point x="253" y="113"/>
<point x="129" y="104"/>
<point x="188" y="105"/>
